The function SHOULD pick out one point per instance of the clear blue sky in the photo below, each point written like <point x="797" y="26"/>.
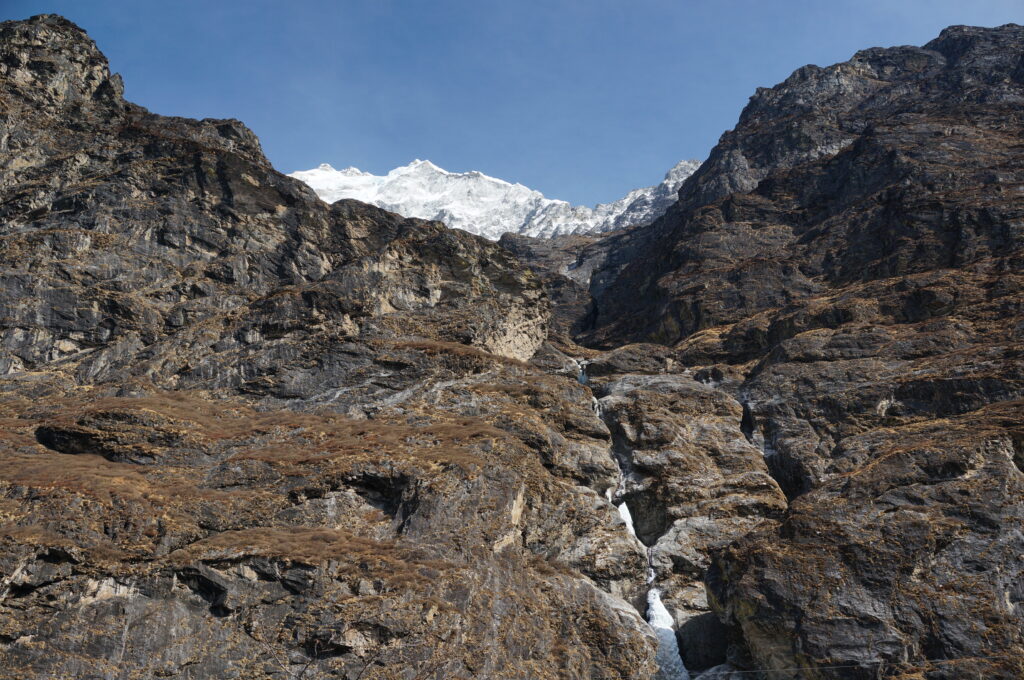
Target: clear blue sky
<point x="581" y="99"/>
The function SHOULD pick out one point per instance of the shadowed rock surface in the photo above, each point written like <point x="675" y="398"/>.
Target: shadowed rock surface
<point x="564" y="264"/>
<point x="246" y="434"/>
<point x="849" y="265"/>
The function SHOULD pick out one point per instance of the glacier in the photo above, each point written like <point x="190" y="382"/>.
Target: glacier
<point x="488" y="206"/>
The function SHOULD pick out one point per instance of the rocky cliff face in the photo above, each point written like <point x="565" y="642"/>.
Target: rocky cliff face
<point x="848" y="265"/>
<point x="247" y="434"/>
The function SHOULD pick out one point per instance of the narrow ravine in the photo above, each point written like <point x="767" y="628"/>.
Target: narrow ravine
<point x="669" y="657"/>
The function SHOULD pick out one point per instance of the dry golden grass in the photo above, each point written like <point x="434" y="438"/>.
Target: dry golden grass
<point x="437" y="347"/>
<point x="314" y="546"/>
<point x="318" y="448"/>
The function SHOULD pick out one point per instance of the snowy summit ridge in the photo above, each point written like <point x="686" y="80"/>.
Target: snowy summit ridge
<point x="489" y="206"/>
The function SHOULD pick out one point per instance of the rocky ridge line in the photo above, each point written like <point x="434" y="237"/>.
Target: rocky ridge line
<point x="847" y="265"/>
<point x="248" y="434"/>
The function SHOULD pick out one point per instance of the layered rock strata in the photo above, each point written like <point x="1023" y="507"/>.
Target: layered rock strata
<point x="248" y="434"/>
<point x="848" y="265"/>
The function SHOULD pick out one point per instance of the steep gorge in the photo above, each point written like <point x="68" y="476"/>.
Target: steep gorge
<point x="249" y="434"/>
<point x="847" y="267"/>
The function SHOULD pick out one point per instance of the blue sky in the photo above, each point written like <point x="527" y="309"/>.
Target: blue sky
<point x="581" y="99"/>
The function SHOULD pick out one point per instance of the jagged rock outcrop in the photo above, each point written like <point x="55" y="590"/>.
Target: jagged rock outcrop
<point x="557" y="261"/>
<point x="849" y="263"/>
<point x="249" y="434"/>
<point x="244" y="433"/>
<point x="137" y="242"/>
<point x="897" y="162"/>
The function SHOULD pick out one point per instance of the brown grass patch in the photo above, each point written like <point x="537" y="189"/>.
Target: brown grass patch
<point x="438" y="347"/>
<point x="313" y="546"/>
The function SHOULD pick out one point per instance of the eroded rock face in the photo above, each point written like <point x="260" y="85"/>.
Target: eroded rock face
<point x="693" y="484"/>
<point x="170" y="249"/>
<point x="297" y="541"/>
<point x="914" y="554"/>
<point x="247" y="434"/>
<point x="847" y="265"/>
<point x="563" y="264"/>
<point x="896" y="162"/>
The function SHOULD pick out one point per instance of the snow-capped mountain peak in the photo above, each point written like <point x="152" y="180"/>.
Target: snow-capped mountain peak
<point x="328" y="170"/>
<point x="486" y="205"/>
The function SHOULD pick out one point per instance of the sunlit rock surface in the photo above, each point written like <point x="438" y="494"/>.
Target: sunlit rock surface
<point x="245" y="433"/>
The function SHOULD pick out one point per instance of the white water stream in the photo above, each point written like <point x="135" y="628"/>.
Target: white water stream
<point x="668" y="658"/>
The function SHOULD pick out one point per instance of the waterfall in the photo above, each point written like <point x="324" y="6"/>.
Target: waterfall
<point x="623" y="511"/>
<point x="581" y="377"/>
<point x="669" y="660"/>
<point x="627" y="518"/>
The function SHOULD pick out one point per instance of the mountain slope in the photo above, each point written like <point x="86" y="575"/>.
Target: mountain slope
<point x="487" y="206"/>
<point x="248" y="434"/>
<point x="849" y="264"/>
<point x="244" y="433"/>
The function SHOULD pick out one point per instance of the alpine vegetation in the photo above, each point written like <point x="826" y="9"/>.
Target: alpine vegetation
<point x="764" y="420"/>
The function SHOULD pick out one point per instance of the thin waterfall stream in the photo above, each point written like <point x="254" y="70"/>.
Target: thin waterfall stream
<point x="668" y="658"/>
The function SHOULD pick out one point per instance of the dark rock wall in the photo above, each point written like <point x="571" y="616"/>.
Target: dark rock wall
<point x="849" y="265"/>
<point x="247" y="434"/>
